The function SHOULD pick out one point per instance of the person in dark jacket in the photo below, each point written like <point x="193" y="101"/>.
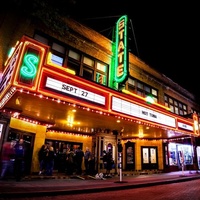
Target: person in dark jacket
<point x="42" y="158"/>
<point x="108" y="162"/>
<point x="79" y="154"/>
<point x="50" y="156"/>
<point x="70" y="158"/>
<point x="87" y="157"/>
<point x="20" y="151"/>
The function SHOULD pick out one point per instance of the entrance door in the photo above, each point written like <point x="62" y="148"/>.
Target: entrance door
<point x="149" y="158"/>
<point x="29" y="138"/>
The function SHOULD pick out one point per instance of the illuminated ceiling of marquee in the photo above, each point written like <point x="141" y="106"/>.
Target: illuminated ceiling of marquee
<point x="64" y="118"/>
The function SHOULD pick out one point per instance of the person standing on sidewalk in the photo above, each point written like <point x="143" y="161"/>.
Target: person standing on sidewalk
<point x="87" y="158"/>
<point x="78" y="160"/>
<point x="92" y="165"/>
<point x="108" y="162"/>
<point x="42" y="159"/>
<point x="50" y="156"/>
<point x="70" y="161"/>
<point x="7" y="158"/>
<point x="19" y="159"/>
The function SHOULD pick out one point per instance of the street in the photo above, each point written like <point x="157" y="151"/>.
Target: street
<point x="177" y="191"/>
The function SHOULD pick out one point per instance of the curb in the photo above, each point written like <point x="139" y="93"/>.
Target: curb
<point x="119" y="185"/>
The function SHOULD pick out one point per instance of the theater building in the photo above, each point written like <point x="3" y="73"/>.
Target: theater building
<point x="83" y="89"/>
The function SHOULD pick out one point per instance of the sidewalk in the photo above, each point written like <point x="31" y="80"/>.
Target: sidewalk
<point x="42" y="186"/>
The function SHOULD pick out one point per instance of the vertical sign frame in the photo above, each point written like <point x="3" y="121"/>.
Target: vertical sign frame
<point x="121" y="50"/>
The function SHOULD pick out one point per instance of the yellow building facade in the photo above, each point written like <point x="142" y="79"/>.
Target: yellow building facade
<point x="74" y="100"/>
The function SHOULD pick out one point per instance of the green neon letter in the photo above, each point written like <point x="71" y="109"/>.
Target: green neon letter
<point x="29" y="67"/>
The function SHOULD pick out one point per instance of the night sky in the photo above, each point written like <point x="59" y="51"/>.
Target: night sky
<point x="165" y="34"/>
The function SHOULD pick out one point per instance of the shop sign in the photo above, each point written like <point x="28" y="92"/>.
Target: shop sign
<point x="121" y="50"/>
<point x="185" y="126"/>
<point x="195" y="124"/>
<point x="73" y="90"/>
<point x="7" y="74"/>
<point x="135" y="110"/>
<point x="30" y="63"/>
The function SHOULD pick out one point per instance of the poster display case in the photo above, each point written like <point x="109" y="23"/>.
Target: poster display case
<point x="130" y="155"/>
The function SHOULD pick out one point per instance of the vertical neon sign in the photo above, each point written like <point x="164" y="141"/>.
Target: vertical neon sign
<point x="29" y="66"/>
<point x="195" y="124"/>
<point x="121" y="50"/>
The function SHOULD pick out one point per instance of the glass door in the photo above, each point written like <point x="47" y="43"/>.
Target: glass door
<point x="149" y="158"/>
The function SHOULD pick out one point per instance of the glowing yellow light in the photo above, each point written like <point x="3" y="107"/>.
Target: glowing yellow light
<point x="149" y="99"/>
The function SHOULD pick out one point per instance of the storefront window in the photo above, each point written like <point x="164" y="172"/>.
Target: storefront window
<point x="178" y="150"/>
<point x="198" y="156"/>
<point x="187" y="153"/>
<point x="62" y="146"/>
<point x="172" y="154"/>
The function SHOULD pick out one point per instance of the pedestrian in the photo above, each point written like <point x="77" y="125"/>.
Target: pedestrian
<point x="92" y="165"/>
<point x="108" y="162"/>
<point x="87" y="158"/>
<point x="79" y="160"/>
<point x="42" y="159"/>
<point x="70" y="156"/>
<point x="7" y="157"/>
<point x="19" y="165"/>
<point x="50" y="156"/>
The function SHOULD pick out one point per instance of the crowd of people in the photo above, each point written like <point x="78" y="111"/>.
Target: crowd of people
<point x="46" y="157"/>
<point x="70" y="162"/>
<point x="14" y="156"/>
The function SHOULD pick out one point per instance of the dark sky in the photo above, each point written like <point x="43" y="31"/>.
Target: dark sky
<point x="164" y="34"/>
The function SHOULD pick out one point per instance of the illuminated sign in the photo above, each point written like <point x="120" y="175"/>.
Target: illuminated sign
<point x="30" y="63"/>
<point x="196" y="124"/>
<point x="29" y="67"/>
<point x="135" y="110"/>
<point x="121" y="50"/>
<point x="74" y="91"/>
<point x="185" y="126"/>
<point x="9" y="70"/>
<point x="7" y="96"/>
